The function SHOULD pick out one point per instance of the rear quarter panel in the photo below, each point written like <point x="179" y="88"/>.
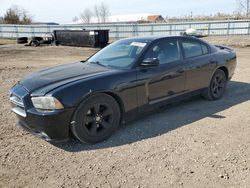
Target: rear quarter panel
<point x="227" y="57"/>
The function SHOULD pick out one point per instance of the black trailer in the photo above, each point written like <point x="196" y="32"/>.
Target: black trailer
<point x="89" y="38"/>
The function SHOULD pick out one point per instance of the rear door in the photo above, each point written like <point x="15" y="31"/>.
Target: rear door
<point x="199" y="64"/>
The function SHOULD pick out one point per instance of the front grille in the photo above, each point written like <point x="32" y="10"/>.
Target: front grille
<point x="17" y="105"/>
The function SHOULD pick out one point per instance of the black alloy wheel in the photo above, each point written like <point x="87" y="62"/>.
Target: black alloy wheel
<point x="217" y="86"/>
<point x="96" y="119"/>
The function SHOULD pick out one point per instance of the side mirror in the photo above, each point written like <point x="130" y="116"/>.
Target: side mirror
<point x="150" y="62"/>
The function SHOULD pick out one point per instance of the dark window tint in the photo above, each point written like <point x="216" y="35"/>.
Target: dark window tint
<point x="204" y="49"/>
<point x="192" y="48"/>
<point x="166" y="51"/>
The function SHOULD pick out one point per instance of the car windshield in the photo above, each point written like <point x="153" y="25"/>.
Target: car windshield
<point x="120" y="54"/>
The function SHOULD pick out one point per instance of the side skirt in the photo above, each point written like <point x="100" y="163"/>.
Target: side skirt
<point x="161" y="103"/>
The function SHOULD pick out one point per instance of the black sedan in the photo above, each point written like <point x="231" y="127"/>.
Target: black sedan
<point x="91" y="98"/>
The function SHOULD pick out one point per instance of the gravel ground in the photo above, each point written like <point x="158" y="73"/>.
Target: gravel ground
<point x="240" y="41"/>
<point x="195" y="143"/>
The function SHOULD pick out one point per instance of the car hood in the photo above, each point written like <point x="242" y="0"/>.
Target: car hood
<point x="62" y="74"/>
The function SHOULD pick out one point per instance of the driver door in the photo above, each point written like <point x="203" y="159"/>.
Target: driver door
<point x="158" y="83"/>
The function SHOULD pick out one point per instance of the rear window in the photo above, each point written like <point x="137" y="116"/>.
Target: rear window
<point x="205" y="49"/>
<point x="192" y="48"/>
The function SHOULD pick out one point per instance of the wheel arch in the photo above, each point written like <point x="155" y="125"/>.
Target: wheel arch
<point x="119" y="102"/>
<point x="114" y="95"/>
<point x="225" y="70"/>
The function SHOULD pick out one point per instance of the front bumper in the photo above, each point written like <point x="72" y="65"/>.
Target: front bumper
<point x="51" y="126"/>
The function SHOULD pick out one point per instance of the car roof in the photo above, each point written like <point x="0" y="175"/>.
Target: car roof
<point x="156" y="37"/>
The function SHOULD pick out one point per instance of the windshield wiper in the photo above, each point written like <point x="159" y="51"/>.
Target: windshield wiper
<point x="98" y="63"/>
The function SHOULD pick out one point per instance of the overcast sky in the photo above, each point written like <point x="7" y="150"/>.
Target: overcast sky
<point x="63" y="11"/>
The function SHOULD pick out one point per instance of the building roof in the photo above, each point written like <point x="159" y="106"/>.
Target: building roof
<point x="155" y="18"/>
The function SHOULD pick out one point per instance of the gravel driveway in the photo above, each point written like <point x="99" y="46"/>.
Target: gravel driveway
<point x="195" y="143"/>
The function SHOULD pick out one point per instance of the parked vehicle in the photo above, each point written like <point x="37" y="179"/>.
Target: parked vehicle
<point x="193" y="32"/>
<point x="130" y="76"/>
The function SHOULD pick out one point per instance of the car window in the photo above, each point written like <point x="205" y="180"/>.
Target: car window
<point x="120" y="51"/>
<point x="205" y="49"/>
<point x="120" y="54"/>
<point x="192" y="48"/>
<point x="166" y="51"/>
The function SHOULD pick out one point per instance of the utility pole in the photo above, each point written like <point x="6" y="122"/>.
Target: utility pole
<point x="248" y="7"/>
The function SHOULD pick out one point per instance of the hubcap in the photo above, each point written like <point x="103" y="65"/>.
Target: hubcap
<point x="98" y="118"/>
<point x="218" y="85"/>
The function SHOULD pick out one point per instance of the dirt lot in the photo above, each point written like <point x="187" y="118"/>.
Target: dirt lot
<point x="192" y="144"/>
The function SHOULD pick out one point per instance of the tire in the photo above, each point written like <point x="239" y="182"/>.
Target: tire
<point x="96" y="119"/>
<point x="35" y="43"/>
<point x="37" y="38"/>
<point x="22" y="40"/>
<point x="217" y="86"/>
<point x="46" y="42"/>
<point x="57" y="42"/>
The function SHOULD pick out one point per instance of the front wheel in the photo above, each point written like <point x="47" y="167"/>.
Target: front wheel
<point x="96" y="119"/>
<point x="217" y="86"/>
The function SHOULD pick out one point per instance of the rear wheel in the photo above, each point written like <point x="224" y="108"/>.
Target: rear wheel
<point x="96" y="119"/>
<point x="217" y="86"/>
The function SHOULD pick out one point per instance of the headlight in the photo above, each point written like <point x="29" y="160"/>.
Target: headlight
<point x="46" y="103"/>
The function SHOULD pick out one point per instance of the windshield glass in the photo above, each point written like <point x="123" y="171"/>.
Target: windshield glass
<point x="119" y="54"/>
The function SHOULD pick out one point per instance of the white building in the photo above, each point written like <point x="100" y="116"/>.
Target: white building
<point x="121" y="18"/>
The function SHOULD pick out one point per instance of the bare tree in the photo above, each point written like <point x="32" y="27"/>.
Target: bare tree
<point x="86" y="15"/>
<point x="100" y="12"/>
<point x="12" y="15"/>
<point x="104" y="12"/>
<point x="15" y="15"/>
<point x="97" y="13"/>
<point x="244" y="6"/>
<point x="25" y="17"/>
<point x="1" y="20"/>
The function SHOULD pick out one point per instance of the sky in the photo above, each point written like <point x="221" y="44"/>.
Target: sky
<point x="63" y="11"/>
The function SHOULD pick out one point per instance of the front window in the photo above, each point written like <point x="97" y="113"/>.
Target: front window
<point x="120" y="54"/>
<point x="166" y="51"/>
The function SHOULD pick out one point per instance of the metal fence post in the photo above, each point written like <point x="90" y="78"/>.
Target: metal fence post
<point x="16" y="31"/>
<point x="116" y="32"/>
<point x="170" y="29"/>
<point x="228" y="27"/>
<point x="1" y="33"/>
<point x="133" y="30"/>
<point x="32" y="31"/>
<point x="136" y="30"/>
<point x="248" y="32"/>
<point x="152" y="29"/>
<point x="209" y="29"/>
<point x="48" y="29"/>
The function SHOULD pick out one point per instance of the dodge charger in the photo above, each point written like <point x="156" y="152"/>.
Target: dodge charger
<point x="90" y="99"/>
